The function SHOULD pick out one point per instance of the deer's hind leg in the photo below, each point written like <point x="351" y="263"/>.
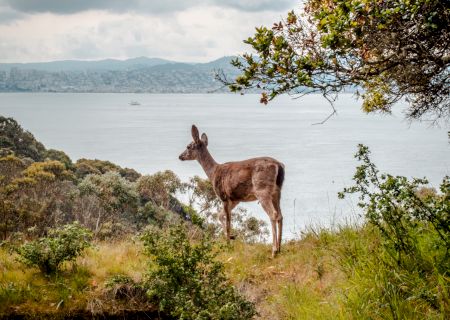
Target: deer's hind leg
<point x="279" y="217"/>
<point x="266" y="202"/>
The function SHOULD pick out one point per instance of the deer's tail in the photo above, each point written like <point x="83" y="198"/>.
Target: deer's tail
<point x="280" y="175"/>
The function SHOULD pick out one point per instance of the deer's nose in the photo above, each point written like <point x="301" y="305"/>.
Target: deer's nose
<point x="181" y="157"/>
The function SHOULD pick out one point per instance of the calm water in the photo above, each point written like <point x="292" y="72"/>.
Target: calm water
<point x="319" y="159"/>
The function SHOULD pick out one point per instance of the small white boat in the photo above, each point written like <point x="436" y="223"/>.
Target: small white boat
<point x="134" y="103"/>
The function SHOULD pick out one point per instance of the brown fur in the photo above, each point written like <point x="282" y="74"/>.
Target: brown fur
<point x="241" y="181"/>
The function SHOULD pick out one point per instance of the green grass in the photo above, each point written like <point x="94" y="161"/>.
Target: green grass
<point x="339" y="274"/>
<point x="307" y="302"/>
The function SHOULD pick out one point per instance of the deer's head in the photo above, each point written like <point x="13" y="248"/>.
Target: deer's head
<point x="196" y="147"/>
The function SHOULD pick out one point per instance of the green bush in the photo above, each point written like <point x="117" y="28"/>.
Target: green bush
<point x="159" y="187"/>
<point x="407" y="275"/>
<point x="406" y="219"/>
<point x="151" y="214"/>
<point x="48" y="253"/>
<point x="14" y="139"/>
<point x="187" y="281"/>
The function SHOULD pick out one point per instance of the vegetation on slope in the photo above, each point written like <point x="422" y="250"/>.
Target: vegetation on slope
<point x="340" y="274"/>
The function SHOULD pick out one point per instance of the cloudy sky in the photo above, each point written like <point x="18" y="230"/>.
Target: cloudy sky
<point x="188" y="30"/>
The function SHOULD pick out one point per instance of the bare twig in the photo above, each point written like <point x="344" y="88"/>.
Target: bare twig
<point x="334" y="111"/>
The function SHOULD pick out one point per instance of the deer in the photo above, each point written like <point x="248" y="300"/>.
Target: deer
<point x="241" y="181"/>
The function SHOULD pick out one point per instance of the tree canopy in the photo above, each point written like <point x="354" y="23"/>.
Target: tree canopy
<point x="15" y="140"/>
<point x="386" y="49"/>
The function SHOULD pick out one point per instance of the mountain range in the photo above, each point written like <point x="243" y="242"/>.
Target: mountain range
<point x="79" y="65"/>
<point x="141" y="74"/>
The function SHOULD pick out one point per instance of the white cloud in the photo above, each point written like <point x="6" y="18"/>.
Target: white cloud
<point x="199" y="33"/>
<point x="143" y="6"/>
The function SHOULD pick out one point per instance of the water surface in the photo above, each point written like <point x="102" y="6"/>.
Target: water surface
<point x="319" y="158"/>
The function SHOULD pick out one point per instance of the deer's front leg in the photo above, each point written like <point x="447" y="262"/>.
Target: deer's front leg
<point x="225" y="218"/>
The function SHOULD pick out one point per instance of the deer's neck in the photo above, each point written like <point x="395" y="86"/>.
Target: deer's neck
<point x="208" y="163"/>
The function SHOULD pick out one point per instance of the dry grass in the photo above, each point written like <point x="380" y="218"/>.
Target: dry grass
<point x="80" y="286"/>
<point x="111" y="258"/>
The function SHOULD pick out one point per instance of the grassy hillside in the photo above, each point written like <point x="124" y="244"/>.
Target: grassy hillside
<point x="324" y="275"/>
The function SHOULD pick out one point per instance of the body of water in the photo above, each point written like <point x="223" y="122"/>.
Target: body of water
<point x="319" y="158"/>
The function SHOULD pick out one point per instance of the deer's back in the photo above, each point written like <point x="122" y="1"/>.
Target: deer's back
<point x="241" y="180"/>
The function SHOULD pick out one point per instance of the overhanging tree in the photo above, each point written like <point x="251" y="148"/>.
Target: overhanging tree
<point x="387" y="49"/>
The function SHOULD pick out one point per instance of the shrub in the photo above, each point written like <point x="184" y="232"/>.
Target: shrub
<point x="84" y="167"/>
<point x="18" y="141"/>
<point x="151" y="214"/>
<point x="48" y="253"/>
<point x="159" y="187"/>
<point x="406" y="276"/>
<point x="187" y="281"/>
<point x="60" y="156"/>
<point x="398" y="209"/>
<point x="117" y="197"/>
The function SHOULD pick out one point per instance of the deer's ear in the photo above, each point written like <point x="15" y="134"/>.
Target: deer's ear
<point x="195" y="134"/>
<point x="205" y="139"/>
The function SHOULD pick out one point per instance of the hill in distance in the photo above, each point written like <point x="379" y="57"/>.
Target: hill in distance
<point x="152" y="75"/>
<point x="108" y="64"/>
<point x="80" y="65"/>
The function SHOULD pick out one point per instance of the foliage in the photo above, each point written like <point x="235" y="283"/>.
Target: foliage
<point x="60" y="156"/>
<point x="19" y="142"/>
<point x="203" y="198"/>
<point x="114" y="230"/>
<point x="248" y="228"/>
<point x="151" y="214"/>
<point x="35" y="195"/>
<point x="129" y="174"/>
<point x="193" y="216"/>
<point x="413" y="261"/>
<point x="84" y="167"/>
<point x="159" y="187"/>
<point x="48" y="253"/>
<point x="392" y="49"/>
<point x="187" y="281"/>
<point x="10" y="167"/>
<point x="116" y="195"/>
<point x="394" y="206"/>
<point x="204" y="195"/>
<point x="35" y="183"/>
<point x="45" y="171"/>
